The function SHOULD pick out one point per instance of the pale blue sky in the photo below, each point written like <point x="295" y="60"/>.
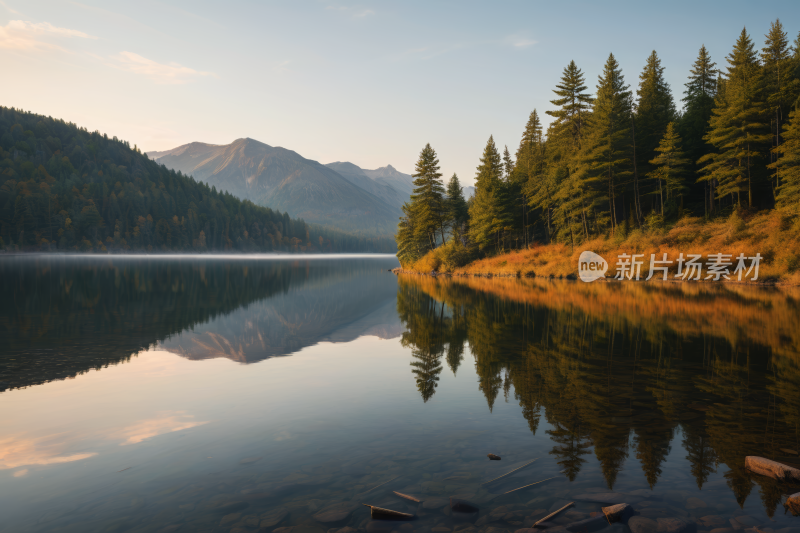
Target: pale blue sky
<point x="367" y="82"/>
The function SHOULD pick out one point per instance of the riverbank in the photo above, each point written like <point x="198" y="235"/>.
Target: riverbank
<point x="773" y="235"/>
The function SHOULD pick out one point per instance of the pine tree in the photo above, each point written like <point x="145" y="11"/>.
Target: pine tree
<point x="781" y="85"/>
<point x="427" y="199"/>
<point x="655" y="109"/>
<point x="670" y="165"/>
<point x="508" y="164"/>
<point x="606" y="158"/>
<point x="788" y="165"/>
<point x="701" y="89"/>
<point x="530" y="161"/>
<point x="457" y="210"/>
<point x="488" y="213"/>
<point x="558" y="188"/>
<point x="737" y="131"/>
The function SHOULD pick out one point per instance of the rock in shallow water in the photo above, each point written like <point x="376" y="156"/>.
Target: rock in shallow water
<point x="773" y="469"/>
<point x="617" y="513"/>
<point x="609" y="498"/>
<point x="793" y="504"/>
<point x="640" y="524"/>
<point x="676" y="525"/>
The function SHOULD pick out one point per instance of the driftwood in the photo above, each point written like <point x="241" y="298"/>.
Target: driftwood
<point x="379" y="513"/>
<point x="509" y="473"/>
<point x="529" y="485"/>
<point x="551" y="515"/>
<point x="406" y="496"/>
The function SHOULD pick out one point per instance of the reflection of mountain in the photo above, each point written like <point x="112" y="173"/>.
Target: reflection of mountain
<point x="300" y="317"/>
<point x="60" y="317"/>
<point x="621" y="371"/>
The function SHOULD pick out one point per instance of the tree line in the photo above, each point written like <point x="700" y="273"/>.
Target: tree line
<point x="67" y="189"/>
<point x="614" y="161"/>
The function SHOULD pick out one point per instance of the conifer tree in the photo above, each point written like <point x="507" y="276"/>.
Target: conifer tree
<point x="788" y="166"/>
<point x="701" y="89"/>
<point x="530" y="160"/>
<point x="670" y="165"/>
<point x="655" y="109"/>
<point x="606" y="158"/>
<point x="737" y="130"/>
<point x="508" y="164"/>
<point x="781" y="85"/>
<point x="457" y="210"/>
<point x="488" y="212"/>
<point x="558" y="187"/>
<point x="427" y="199"/>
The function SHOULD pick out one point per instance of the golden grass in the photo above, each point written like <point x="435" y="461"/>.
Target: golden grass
<point x="772" y="235"/>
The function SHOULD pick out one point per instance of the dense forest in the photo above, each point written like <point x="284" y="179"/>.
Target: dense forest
<point x="67" y="189"/>
<point x="614" y="162"/>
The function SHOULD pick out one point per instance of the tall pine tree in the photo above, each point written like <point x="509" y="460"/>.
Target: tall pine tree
<point x="738" y="130"/>
<point x="457" y="210"/>
<point x="606" y="160"/>
<point x="669" y="166"/>
<point x="788" y="166"/>
<point x="427" y="199"/>
<point x="488" y="213"/>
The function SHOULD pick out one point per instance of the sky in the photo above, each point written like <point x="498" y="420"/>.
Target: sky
<point x="368" y="82"/>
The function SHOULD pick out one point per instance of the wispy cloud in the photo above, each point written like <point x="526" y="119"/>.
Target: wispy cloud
<point x="363" y="13"/>
<point x="24" y="35"/>
<point x="518" y="41"/>
<point x="10" y="9"/>
<point x="165" y="73"/>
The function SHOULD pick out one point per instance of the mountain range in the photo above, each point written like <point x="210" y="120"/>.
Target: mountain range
<point x="340" y="195"/>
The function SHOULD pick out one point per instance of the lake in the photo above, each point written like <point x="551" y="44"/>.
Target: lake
<point x="246" y="393"/>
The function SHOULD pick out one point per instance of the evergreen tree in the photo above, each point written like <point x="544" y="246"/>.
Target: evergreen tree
<point x="558" y="187"/>
<point x="787" y="166"/>
<point x="701" y="89"/>
<point x="530" y="162"/>
<point x="508" y="164"/>
<point x="737" y="130"/>
<point x="655" y="109"/>
<point x="781" y="85"/>
<point x="457" y="210"/>
<point x="488" y="213"/>
<point x="670" y="166"/>
<point x="606" y="158"/>
<point x="427" y="199"/>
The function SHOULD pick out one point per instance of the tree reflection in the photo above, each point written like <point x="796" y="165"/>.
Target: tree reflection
<point x="718" y="366"/>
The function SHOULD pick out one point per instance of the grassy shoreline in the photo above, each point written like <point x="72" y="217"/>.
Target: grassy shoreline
<point x="774" y="235"/>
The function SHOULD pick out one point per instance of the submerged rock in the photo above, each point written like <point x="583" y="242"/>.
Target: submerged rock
<point x="463" y="510"/>
<point x="793" y="504"/>
<point x="617" y="513"/>
<point x="273" y="518"/>
<point x="334" y="516"/>
<point x="588" y="525"/>
<point x="773" y="469"/>
<point x="675" y="525"/>
<point x="493" y="457"/>
<point x="640" y="524"/>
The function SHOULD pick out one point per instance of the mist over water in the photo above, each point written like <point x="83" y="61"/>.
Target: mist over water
<point x="253" y="393"/>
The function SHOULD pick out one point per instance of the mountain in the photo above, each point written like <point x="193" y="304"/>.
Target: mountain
<point x="63" y="188"/>
<point x="282" y="179"/>
<point x="403" y="183"/>
<point x="393" y="196"/>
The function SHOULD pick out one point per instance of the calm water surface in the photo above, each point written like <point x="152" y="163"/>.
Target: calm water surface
<point x="251" y="394"/>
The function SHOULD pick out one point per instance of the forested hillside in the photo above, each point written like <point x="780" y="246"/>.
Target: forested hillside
<point x="67" y="189"/>
<point x="620" y="161"/>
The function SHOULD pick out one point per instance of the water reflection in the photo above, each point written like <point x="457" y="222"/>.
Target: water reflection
<point x="622" y="369"/>
<point x="62" y="316"/>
